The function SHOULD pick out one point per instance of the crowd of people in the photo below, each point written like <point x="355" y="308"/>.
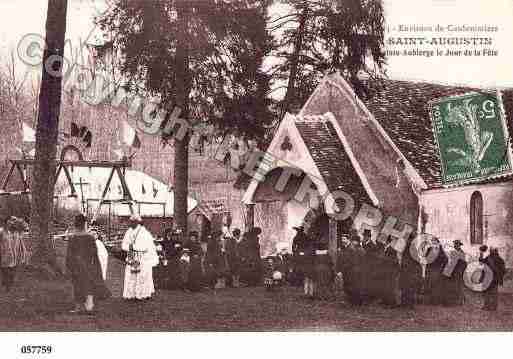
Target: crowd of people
<point x="365" y="270"/>
<point x="217" y="261"/>
<point x="372" y="270"/>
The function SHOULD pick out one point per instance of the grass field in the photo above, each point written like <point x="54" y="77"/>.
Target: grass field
<point x="42" y="305"/>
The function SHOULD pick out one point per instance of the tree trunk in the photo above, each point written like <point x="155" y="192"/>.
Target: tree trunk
<point x="183" y="85"/>
<point x="294" y="62"/>
<point x="46" y="134"/>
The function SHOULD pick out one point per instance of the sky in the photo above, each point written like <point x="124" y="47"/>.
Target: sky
<point x="19" y="17"/>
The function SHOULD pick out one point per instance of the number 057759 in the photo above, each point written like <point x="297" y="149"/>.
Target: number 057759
<point x="36" y="349"/>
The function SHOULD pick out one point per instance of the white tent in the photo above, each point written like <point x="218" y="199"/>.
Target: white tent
<point x="153" y="198"/>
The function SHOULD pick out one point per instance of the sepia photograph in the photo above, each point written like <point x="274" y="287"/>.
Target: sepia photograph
<point x="214" y="166"/>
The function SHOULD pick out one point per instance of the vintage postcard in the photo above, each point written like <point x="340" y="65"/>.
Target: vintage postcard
<point x="183" y="166"/>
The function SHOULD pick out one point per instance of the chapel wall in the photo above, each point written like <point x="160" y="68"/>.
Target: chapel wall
<point x="448" y="216"/>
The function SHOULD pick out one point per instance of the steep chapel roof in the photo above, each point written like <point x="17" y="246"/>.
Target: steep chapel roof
<point x="330" y="157"/>
<point x="401" y="108"/>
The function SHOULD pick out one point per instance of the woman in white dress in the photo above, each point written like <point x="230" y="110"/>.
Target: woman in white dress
<point x="142" y="257"/>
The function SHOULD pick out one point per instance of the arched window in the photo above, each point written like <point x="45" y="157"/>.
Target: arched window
<point x="476" y="218"/>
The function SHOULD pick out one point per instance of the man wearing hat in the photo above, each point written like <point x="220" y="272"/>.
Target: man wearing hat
<point x="214" y="261"/>
<point x="453" y="275"/>
<point x="498" y="268"/>
<point x="253" y="262"/>
<point x="233" y="257"/>
<point x="323" y="274"/>
<point x="298" y="251"/>
<point x="142" y="257"/>
<point x="284" y="260"/>
<point x="350" y="266"/>
<point x="434" y="290"/>
<point x="172" y="248"/>
<point x="367" y="243"/>
<point x="194" y="251"/>
<point x="299" y="240"/>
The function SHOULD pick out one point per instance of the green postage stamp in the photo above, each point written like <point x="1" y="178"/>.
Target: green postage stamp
<point x="472" y="137"/>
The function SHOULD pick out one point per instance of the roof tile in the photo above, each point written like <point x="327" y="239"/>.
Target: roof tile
<point x="331" y="159"/>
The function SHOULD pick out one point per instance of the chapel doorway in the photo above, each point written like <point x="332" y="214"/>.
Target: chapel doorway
<point x="317" y="227"/>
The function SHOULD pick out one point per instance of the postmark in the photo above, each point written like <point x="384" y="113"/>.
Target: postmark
<point x="472" y="137"/>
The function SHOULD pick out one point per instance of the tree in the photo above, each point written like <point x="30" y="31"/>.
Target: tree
<point x="204" y="56"/>
<point x="47" y="131"/>
<point x="317" y="36"/>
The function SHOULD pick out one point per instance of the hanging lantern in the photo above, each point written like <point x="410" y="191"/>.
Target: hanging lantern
<point x="134" y="261"/>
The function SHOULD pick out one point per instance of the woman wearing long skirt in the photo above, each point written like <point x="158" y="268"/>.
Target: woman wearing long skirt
<point x="351" y="266"/>
<point x="195" y="271"/>
<point x="215" y="261"/>
<point x="324" y="275"/>
<point x="434" y="278"/>
<point x="498" y="267"/>
<point x="84" y="266"/>
<point x="251" y="265"/>
<point x="390" y="277"/>
<point x="233" y="257"/>
<point x="452" y="276"/>
<point x="410" y="277"/>
<point x="308" y="268"/>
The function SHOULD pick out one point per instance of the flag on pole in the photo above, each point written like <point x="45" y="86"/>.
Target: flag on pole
<point x="28" y="140"/>
<point x="129" y="135"/>
<point x="155" y="190"/>
<point x="88" y="138"/>
<point x="117" y="148"/>
<point x="29" y="135"/>
<point x="119" y="153"/>
<point x="137" y="142"/>
<point x="75" y="130"/>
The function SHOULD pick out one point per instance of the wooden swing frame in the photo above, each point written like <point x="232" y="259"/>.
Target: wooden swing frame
<point x="117" y="167"/>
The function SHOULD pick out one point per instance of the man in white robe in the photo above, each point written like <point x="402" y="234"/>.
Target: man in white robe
<point x="142" y="257"/>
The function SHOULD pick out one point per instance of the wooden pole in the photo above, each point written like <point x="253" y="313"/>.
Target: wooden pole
<point x="250" y="216"/>
<point x="104" y="194"/>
